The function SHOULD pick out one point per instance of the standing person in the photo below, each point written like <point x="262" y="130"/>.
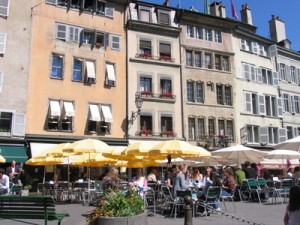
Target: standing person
<point x="249" y="171"/>
<point x="180" y="178"/>
<point x="292" y="214"/>
<point x="4" y="182"/>
<point x="14" y="172"/>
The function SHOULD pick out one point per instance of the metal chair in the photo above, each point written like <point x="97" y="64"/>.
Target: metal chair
<point x="274" y="192"/>
<point x="211" y="197"/>
<point x="285" y="186"/>
<point x="179" y="199"/>
<point x="254" y="190"/>
<point x="167" y="201"/>
<point x="244" y="190"/>
<point x="262" y="184"/>
<point x="224" y="198"/>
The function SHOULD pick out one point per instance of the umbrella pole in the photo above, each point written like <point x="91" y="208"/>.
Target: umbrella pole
<point x="68" y="169"/>
<point x="44" y="175"/>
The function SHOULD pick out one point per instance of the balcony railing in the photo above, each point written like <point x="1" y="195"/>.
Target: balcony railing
<point x="151" y="57"/>
<point x="165" y="95"/>
<point x="162" y="134"/>
<point x="215" y="140"/>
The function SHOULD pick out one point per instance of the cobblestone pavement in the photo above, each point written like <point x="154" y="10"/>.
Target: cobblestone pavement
<point x="259" y="213"/>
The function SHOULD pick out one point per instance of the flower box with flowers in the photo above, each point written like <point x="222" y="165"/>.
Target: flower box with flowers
<point x="147" y="93"/>
<point x="168" y="133"/>
<point x="144" y="56"/>
<point x="165" y="58"/>
<point x="146" y="132"/>
<point x="166" y="95"/>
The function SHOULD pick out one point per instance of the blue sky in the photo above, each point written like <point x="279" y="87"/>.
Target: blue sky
<point x="262" y="11"/>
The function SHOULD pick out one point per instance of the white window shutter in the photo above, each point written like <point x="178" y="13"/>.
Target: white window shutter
<point x="244" y="135"/>
<point x="273" y="50"/>
<point x="248" y="102"/>
<point x="253" y="74"/>
<point x="275" y="78"/>
<point x="19" y="121"/>
<point x="288" y="73"/>
<point x="282" y="135"/>
<point x="246" y="68"/>
<point x="279" y="108"/>
<point x="115" y="42"/>
<point x="4" y="8"/>
<point x="109" y="9"/>
<point x="259" y="74"/>
<point x="295" y="134"/>
<point x="1" y="80"/>
<point x="261" y="103"/>
<point x="263" y="135"/>
<point x="292" y="104"/>
<point x="254" y="47"/>
<point x="2" y="43"/>
<point x="61" y="31"/>
<point x="173" y="22"/>
<point x="298" y="75"/>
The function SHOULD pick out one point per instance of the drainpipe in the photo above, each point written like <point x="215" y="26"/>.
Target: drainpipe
<point x="126" y="58"/>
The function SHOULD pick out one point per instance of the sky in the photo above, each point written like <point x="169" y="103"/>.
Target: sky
<point x="262" y="11"/>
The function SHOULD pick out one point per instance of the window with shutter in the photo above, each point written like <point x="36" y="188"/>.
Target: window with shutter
<point x="263" y="135"/>
<point x="61" y="31"/>
<point x="259" y="74"/>
<point x="282" y="134"/>
<point x="163" y="18"/>
<point x="19" y="125"/>
<point x="254" y="47"/>
<point x="109" y="9"/>
<point x="2" y="43"/>
<point x="261" y="100"/>
<point x="246" y="68"/>
<point x="273" y="50"/>
<point x="4" y="7"/>
<point x="248" y="102"/>
<point x="279" y="108"/>
<point x="275" y="78"/>
<point x="115" y="42"/>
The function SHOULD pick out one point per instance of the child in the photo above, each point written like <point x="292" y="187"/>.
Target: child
<point x="292" y="215"/>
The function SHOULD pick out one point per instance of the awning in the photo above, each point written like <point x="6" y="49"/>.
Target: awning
<point x="54" y="108"/>
<point x="95" y="114"/>
<point x="69" y="109"/>
<point x="111" y="72"/>
<point x="107" y="116"/>
<point x="13" y="152"/>
<point x="90" y="67"/>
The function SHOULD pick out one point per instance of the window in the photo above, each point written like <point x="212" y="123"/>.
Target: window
<point x="60" y="115"/>
<point x="225" y="63"/>
<point x="201" y="129"/>
<point x="57" y="66"/>
<point x="219" y="94"/>
<point x="190" y="91"/>
<point x="218" y="62"/>
<point x="297" y="104"/>
<point x="267" y="76"/>
<point x="282" y="71"/>
<point x="165" y="86"/>
<point x="199" y="33"/>
<point x="67" y="32"/>
<point x="249" y="72"/>
<point x="189" y="59"/>
<point x="293" y="74"/>
<point x="245" y="45"/>
<point x="110" y="74"/>
<point x="2" y="43"/>
<point x="145" y="84"/>
<point x="99" y="119"/>
<point x="4" y="8"/>
<point x="90" y="76"/>
<point x="286" y="102"/>
<point x="115" y="42"/>
<point x="229" y="128"/>
<point x="163" y="17"/>
<point x="77" y="70"/>
<point x="192" y="128"/>
<point x="87" y="36"/>
<point x="263" y="50"/>
<point x="251" y="105"/>
<point x="199" y="92"/>
<point x="145" y="47"/>
<point x="94" y="38"/>
<point x="228" y="100"/>
<point x="289" y="132"/>
<point x="166" y="123"/>
<point x="253" y="134"/>
<point x="211" y="126"/>
<point x="271" y="105"/>
<point x="254" y="47"/>
<point x="144" y="14"/>
<point x="146" y="122"/>
<point x="208" y="64"/>
<point x="190" y="31"/>
<point x="218" y="36"/>
<point x="221" y="127"/>
<point x="164" y="51"/>
<point x="208" y="34"/>
<point x="273" y="135"/>
<point x="6" y="122"/>
<point x="197" y="59"/>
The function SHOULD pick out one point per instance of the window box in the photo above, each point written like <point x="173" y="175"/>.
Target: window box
<point x="147" y="93"/>
<point x="166" y="58"/>
<point x="145" y="132"/>
<point x="144" y="56"/>
<point x="166" y="95"/>
<point x="168" y="133"/>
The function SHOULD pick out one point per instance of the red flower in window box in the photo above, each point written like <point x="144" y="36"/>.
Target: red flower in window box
<point x="146" y="93"/>
<point x="166" y="94"/>
<point x="145" y="131"/>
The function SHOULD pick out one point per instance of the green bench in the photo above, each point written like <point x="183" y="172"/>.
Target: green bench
<point x="29" y="207"/>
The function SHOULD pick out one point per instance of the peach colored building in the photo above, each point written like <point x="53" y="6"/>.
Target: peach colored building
<point x="77" y="72"/>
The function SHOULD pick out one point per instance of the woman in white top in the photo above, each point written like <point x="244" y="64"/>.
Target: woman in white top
<point x="292" y="215"/>
<point x="139" y="180"/>
<point x="197" y="178"/>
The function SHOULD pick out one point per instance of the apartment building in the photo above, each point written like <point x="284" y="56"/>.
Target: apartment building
<point x="154" y="76"/>
<point x="287" y="62"/>
<point x="15" y="26"/>
<point x="208" y="77"/>
<point x="259" y="107"/>
<point x="77" y="73"/>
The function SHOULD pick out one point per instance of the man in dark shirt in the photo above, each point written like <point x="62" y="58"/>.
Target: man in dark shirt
<point x="249" y="171"/>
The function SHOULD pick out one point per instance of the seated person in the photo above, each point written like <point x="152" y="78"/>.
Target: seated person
<point x="111" y="180"/>
<point x="228" y="184"/>
<point x="151" y="178"/>
<point x="197" y="178"/>
<point x="4" y="182"/>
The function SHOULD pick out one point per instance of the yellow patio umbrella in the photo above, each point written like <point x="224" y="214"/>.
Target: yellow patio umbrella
<point x="202" y="152"/>
<point x="86" y="146"/>
<point x="2" y="159"/>
<point x="92" y="159"/>
<point x="57" y="150"/>
<point x="139" y="148"/>
<point x="136" y="163"/>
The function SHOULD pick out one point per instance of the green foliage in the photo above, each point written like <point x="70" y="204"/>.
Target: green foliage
<point x="117" y="203"/>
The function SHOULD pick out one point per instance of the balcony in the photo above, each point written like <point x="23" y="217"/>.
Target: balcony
<point x="215" y="141"/>
<point x="150" y="96"/>
<point x="150" y="134"/>
<point x="157" y="58"/>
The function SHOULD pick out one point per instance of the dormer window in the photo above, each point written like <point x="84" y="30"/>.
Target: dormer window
<point x="163" y="17"/>
<point x="144" y="14"/>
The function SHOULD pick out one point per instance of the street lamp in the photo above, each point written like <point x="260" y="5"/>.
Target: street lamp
<point x="138" y="104"/>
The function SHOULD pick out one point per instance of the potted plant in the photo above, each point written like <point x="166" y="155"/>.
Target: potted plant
<point x="25" y="190"/>
<point x="119" y="207"/>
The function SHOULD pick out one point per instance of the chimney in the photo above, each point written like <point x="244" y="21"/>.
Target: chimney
<point x="217" y="9"/>
<point x="246" y="14"/>
<point x="277" y="29"/>
<point x="167" y="3"/>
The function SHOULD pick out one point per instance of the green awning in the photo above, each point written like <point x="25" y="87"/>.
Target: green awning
<point x="13" y="152"/>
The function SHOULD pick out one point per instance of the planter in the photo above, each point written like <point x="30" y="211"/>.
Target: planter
<point x="25" y="193"/>
<point x="141" y="219"/>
